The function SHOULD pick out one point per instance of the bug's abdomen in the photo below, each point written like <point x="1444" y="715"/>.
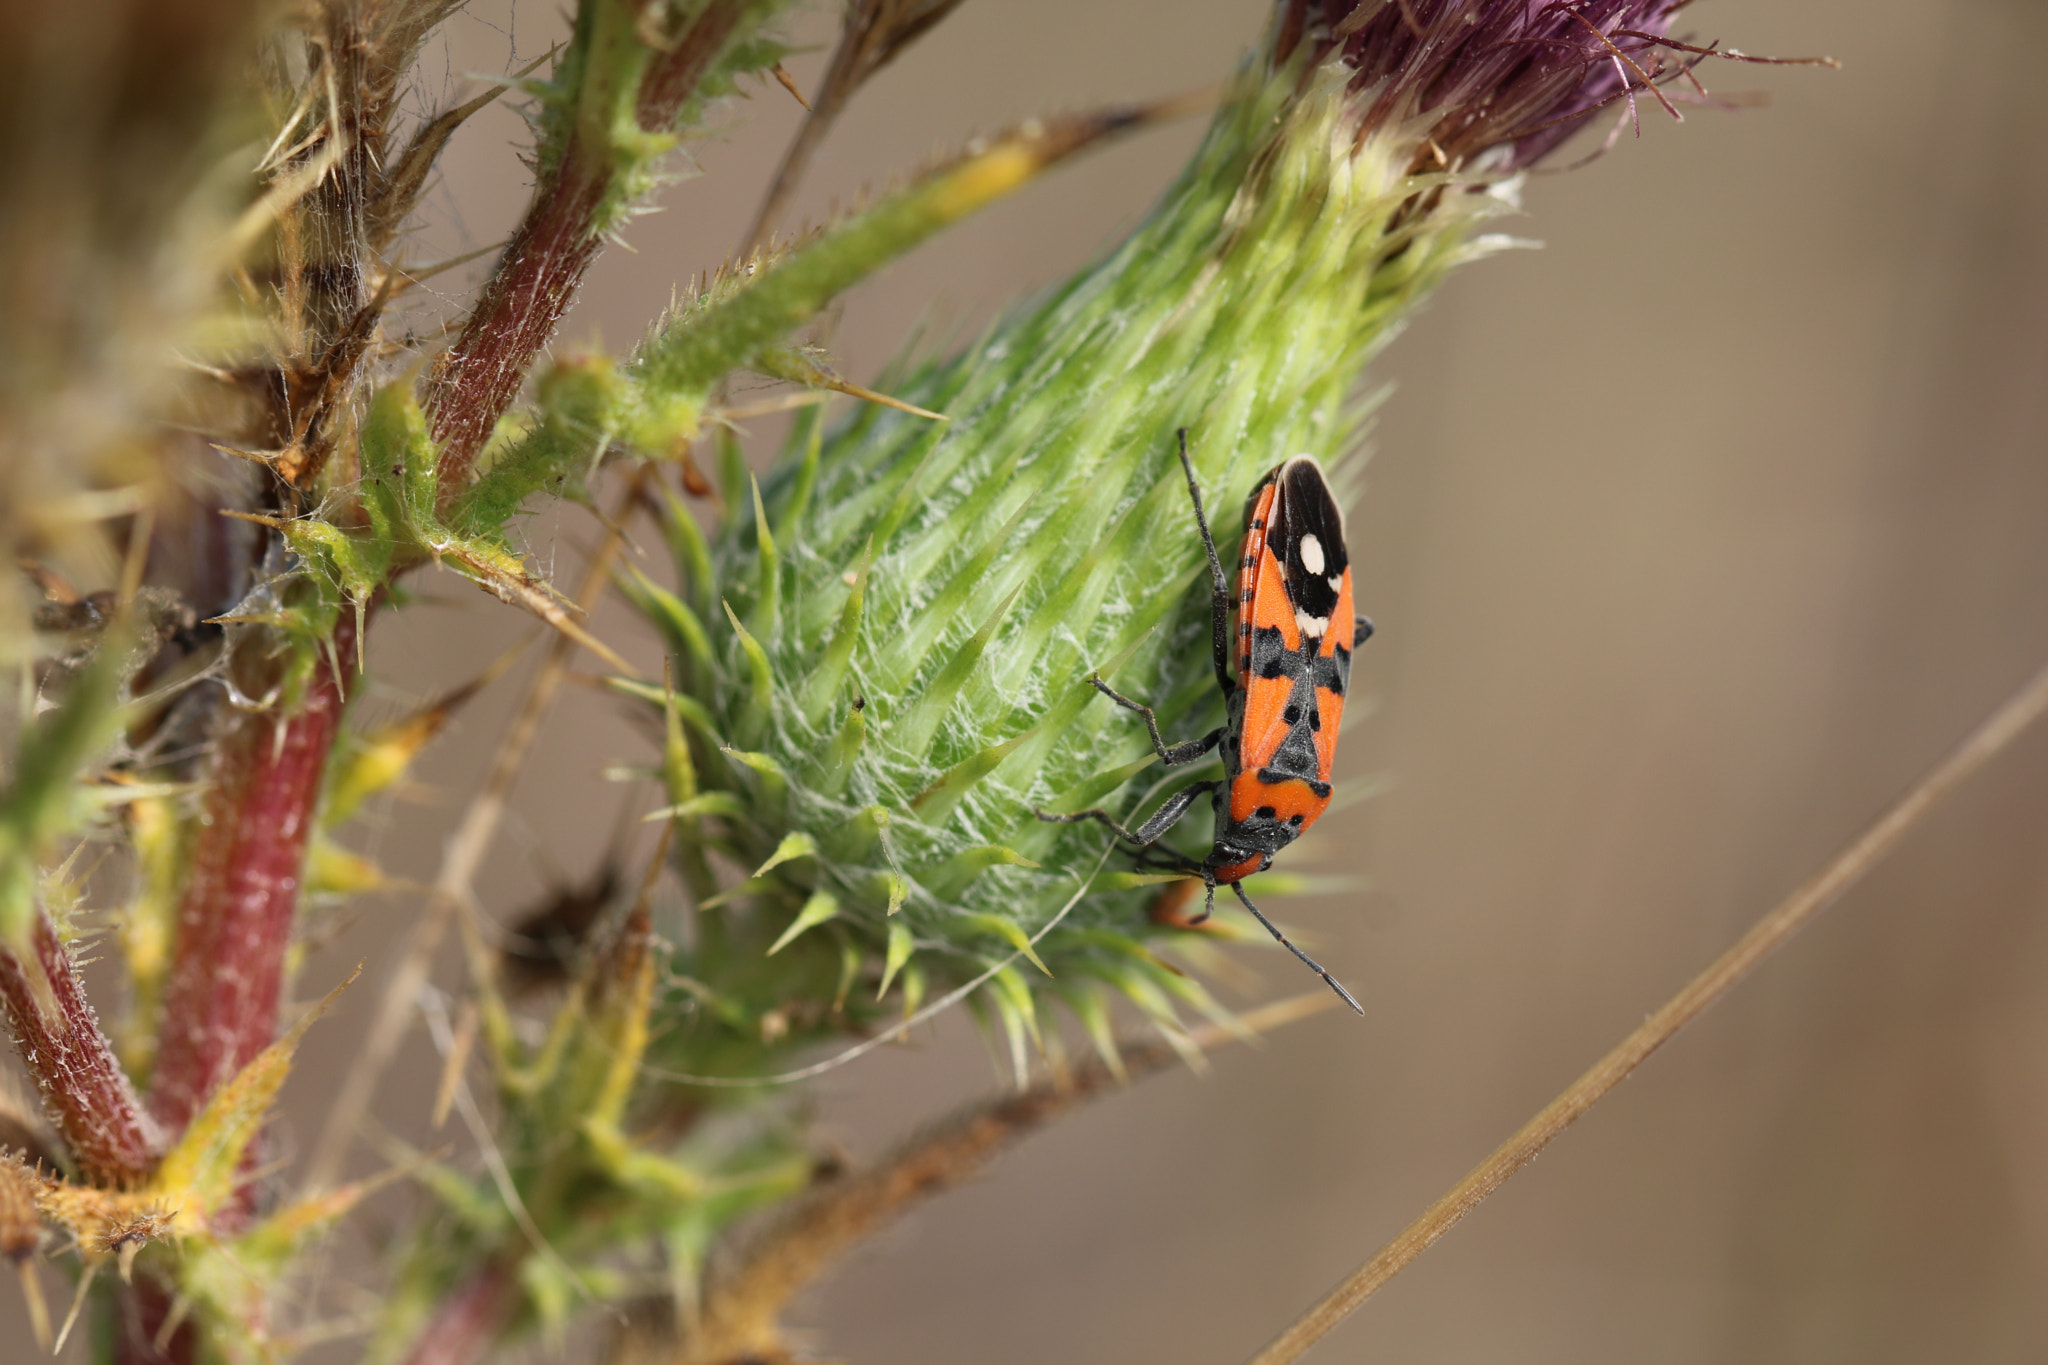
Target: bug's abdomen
<point x="1265" y="813"/>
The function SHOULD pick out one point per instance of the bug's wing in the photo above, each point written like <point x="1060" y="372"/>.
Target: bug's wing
<point x="1258" y="514"/>
<point x="1273" y="664"/>
<point x="1306" y="538"/>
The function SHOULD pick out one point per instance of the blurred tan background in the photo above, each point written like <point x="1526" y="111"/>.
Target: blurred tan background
<point x="1692" y="539"/>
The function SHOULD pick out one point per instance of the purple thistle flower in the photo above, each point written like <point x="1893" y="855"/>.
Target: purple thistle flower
<point x="1499" y="83"/>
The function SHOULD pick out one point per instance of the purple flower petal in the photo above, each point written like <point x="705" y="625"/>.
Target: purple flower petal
<point x="1503" y="80"/>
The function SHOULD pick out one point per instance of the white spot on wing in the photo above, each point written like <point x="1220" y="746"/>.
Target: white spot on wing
<point x="1336" y="583"/>
<point x="1311" y="626"/>
<point x="1311" y="554"/>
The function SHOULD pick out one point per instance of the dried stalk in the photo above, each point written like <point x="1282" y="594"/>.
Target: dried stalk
<point x="872" y="35"/>
<point x="1768" y="934"/>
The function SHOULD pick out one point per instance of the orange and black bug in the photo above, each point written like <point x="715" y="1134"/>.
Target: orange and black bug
<point x="1284" y="698"/>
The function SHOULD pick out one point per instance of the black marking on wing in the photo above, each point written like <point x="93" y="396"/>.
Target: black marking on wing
<point x="1333" y="670"/>
<point x="1297" y="756"/>
<point x="1271" y="658"/>
<point x="1304" y="508"/>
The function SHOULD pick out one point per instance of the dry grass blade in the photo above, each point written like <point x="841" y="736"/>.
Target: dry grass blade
<point x="738" y="1319"/>
<point x="1764" y="938"/>
<point x="874" y="34"/>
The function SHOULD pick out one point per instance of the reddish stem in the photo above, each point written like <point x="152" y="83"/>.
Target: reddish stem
<point x="476" y="380"/>
<point x="235" y="922"/>
<point x="146" y="1306"/>
<point x="537" y="277"/>
<point x="113" y="1139"/>
<point x="468" y="1320"/>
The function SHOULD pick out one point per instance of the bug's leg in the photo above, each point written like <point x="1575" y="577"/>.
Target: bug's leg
<point x="1219" y="586"/>
<point x="1098" y="815"/>
<point x="1361" y="631"/>
<point x="1285" y="942"/>
<point x="1164" y="819"/>
<point x="1208" y="899"/>
<point x="1170" y="755"/>
<point x="1168" y="860"/>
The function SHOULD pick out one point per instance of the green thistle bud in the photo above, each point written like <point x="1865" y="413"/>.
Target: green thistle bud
<point x="884" y="653"/>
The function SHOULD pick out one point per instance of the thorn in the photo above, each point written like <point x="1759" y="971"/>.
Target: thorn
<point x="269" y="459"/>
<point x="274" y="523"/>
<point x="407" y="277"/>
<point x="77" y="1302"/>
<point x="789" y="84"/>
<point x="38" y="1308"/>
<point x="854" y="390"/>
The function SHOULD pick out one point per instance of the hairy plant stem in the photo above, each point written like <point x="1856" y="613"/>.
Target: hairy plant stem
<point x="537" y="277"/>
<point x="1770" y="933"/>
<point x="112" y="1137"/>
<point x="235" y="920"/>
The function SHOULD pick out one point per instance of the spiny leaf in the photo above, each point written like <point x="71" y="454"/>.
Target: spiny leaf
<point x="1009" y="932"/>
<point x="913" y="731"/>
<point x="768" y="584"/>
<point x="798" y="503"/>
<point x="38" y="803"/>
<point x="849" y="969"/>
<point x="794" y="845"/>
<point x="382" y="756"/>
<point x="823" y="684"/>
<point x="686" y="707"/>
<point x="198" y="1175"/>
<point x="937" y="802"/>
<point x="755" y="715"/>
<point x="675" y="619"/>
<point x="704" y="803"/>
<point x="841" y="752"/>
<point x="1093" y="1012"/>
<point x="901" y="945"/>
<point x="334" y="870"/>
<point x="773" y="780"/>
<point x="694" y="574"/>
<point x="949" y="878"/>
<point x="1020" y="1019"/>
<point x="820" y="907"/>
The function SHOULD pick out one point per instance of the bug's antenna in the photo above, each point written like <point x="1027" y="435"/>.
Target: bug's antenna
<point x="1201" y="517"/>
<point x="1315" y="966"/>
